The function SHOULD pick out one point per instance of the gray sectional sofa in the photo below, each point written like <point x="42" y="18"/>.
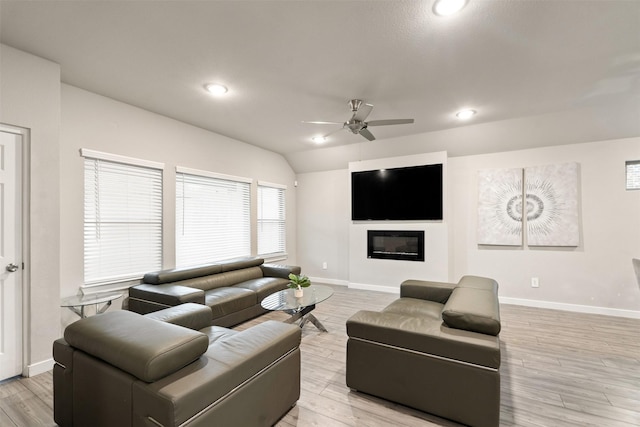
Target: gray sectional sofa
<point x="436" y="349"/>
<point x="232" y="289"/>
<point x="172" y="368"/>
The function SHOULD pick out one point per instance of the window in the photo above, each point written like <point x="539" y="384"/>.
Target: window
<point x="122" y="217"/>
<point x="633" y="174"/>
<point x="271" y="220"/>
<point x="212" y="217"/>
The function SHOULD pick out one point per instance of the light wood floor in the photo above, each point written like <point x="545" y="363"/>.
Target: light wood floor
<point x="558" y="369"/>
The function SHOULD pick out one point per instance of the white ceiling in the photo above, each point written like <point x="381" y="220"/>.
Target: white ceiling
<point x="289" y="61"/>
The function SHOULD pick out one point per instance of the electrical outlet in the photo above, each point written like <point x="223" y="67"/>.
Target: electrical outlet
<point x="535" y="282"/>
<point x="324" y="265"/>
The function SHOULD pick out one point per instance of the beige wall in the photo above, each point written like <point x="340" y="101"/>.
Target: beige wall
<point x="62" y="119"/>
<point x="30" y="98"/>
<point x="98" y="123"/>
<point x="597" y="276"/>
<point x="598" y="272"/>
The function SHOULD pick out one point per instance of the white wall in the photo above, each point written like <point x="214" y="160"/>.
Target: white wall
<point x="597" y="276"/>
<point x="387" y="274"/>
<point x="596" y="273"/>
<point x="95" y="122"/>
<point x="327" y="234"/>
<point x="30" y="98"/>
<point x="323" y="228"/>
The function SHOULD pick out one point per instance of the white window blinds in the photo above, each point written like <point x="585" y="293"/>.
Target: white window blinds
<point x="633" y="174"/>
<point x="212" y="217"/>
<point x="122" y="218"/>
<point x="271" y="220"/>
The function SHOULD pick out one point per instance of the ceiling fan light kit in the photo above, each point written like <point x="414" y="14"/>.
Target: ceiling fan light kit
<point x="357" y="125"/>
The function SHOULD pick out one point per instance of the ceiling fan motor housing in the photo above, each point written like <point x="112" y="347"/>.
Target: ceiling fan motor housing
<point x="354" y="125"/>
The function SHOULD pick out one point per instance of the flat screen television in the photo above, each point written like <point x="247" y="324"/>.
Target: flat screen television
<point x="401" y="194"/>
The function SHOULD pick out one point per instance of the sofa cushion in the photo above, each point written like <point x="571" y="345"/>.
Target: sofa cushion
<point x="216" y="333"/>
<point x="416" y="307"/>
<point x="473" y="309"/>
<point x="146" y="348"/>
<point x="227" y="300"/>
<point x="189" y="315"/>
<point x="264" y="286"/>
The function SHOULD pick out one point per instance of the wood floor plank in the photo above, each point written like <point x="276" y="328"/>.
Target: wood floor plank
<point x="559" y="369"/>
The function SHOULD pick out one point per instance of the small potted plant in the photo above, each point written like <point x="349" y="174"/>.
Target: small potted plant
<point x="298" y="282"/>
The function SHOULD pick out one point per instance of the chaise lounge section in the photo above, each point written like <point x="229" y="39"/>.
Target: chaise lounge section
<point x="172" y="368"/>
<point x="232" y="289"/>
<point x="436" y="349"/>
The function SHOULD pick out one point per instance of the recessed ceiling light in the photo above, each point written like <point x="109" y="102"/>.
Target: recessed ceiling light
<point x="465" y="114"/>
<point x="216" y="89"/>
<point x="318" y="139"/>
<point x="448" y="7"/>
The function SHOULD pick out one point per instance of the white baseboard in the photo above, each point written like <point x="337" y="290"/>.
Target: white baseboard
<point x="572" y="307"/>
<point x="39" y="368"/>
<point x="336" y="282"/>
<point x="387" y="289"/>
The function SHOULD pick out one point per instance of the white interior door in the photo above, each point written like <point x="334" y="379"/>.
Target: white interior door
<point x="11" y="271"/>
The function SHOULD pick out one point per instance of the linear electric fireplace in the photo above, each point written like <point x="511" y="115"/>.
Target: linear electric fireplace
<point x="400" y="245"/>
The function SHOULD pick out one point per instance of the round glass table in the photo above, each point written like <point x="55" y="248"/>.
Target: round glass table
<point x="77" y="303"/>
<point x="299" y="308"/>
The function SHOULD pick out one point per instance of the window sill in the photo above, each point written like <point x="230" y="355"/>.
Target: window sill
<point x="271" y="258"/>
<point x="98" y="288"/>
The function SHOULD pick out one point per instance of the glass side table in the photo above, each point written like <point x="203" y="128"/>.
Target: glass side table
<point x="77" y="303"/>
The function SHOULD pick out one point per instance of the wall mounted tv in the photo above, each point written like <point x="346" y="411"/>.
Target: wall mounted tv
<point x="400" y="194"/>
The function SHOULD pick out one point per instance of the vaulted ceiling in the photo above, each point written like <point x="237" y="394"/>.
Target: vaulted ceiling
<point x="573" y="66"/>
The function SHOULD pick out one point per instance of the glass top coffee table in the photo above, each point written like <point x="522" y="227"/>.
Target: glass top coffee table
<point x="299" y="308"/>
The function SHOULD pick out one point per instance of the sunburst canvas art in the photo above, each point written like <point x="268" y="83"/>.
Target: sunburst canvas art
<point x="547" y="203"/>
<point x="500" y="207"/>
<point x="552" y="205"/>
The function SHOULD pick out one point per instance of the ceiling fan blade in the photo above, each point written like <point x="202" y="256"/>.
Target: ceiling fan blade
<point x="362" y="113"/>
<point x="324" y="123"/>
<point x="365" y="132"/>
<point x="332" y="132"/>
<point x="389" y="122"/>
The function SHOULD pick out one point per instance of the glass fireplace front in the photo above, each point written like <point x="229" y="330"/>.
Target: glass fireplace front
<point x="398" y="245"/>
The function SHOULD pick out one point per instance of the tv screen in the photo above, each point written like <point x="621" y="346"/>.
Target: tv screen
<point x="411" y="193"/>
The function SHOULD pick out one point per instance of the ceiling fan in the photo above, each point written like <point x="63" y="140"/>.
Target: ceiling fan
<point x="357" y="125"/>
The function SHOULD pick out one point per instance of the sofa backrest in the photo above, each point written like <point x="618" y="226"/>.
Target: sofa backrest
<point x="145" y="348"/>
<point x="228" y="278"/>
<point x="188" y="273"/>
<point x="474" y="306"/>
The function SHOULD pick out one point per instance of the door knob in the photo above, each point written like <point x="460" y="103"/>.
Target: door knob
<point x="12" y="268"/>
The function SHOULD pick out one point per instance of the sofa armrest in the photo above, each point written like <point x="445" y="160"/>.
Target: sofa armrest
<point x="279" y="270"/>
<point x="143" y="347"/>
<point x="167" y="294"/>
<point x="189" y="315"/>
<point x="430" y="291"/>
